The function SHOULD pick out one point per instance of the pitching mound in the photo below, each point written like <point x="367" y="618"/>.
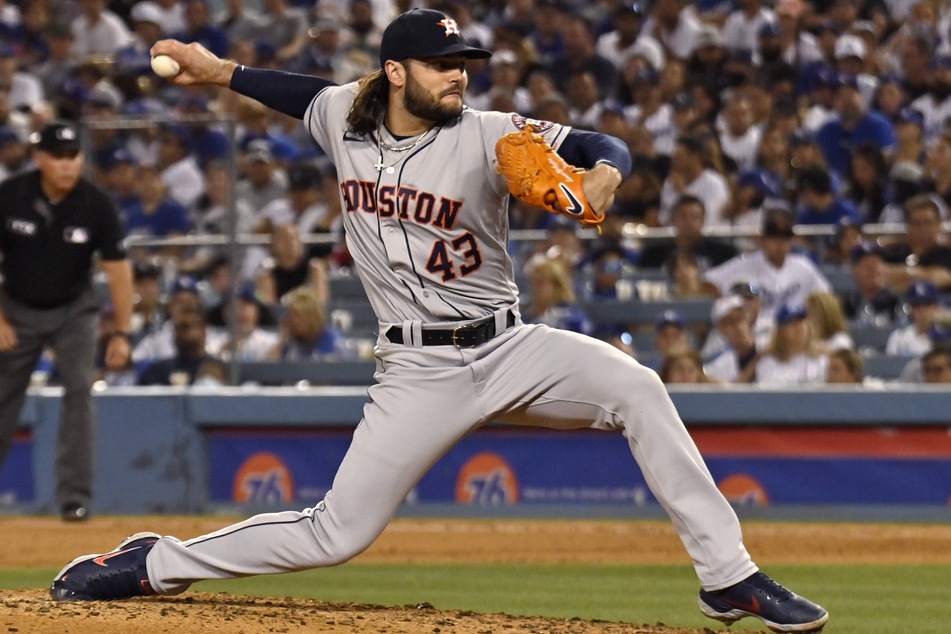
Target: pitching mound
<point x="49" y="542"/>
<point x="33" y="611"/>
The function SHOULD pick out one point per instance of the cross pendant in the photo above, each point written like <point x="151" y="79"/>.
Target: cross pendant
<point x="379" y="165"/>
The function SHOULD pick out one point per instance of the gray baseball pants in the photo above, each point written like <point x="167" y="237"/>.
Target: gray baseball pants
<point x="424" y="402"/>
<point x="70" y="332"/>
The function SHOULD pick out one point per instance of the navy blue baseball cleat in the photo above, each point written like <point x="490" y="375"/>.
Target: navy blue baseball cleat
<point x="780" y="609"/>
<point x="114" y="575"/>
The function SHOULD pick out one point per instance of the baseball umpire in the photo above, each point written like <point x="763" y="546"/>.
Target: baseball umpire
<point x="425" y="208"/>
<point x="53" y="222"/>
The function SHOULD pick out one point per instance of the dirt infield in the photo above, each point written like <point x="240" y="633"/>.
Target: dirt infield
<point x="48" y="542"/>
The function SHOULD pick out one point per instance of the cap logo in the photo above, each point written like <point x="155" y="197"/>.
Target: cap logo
<point x="450" y="25"/>
<point x="66" y="134"/>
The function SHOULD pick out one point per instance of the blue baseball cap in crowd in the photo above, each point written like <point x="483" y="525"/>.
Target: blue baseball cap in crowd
<point x="185" y="284"/>
<point x="941" y="62"/>
<point x="647" y="75"/>
<point x="247" y="292"/>
<point x="848" y="81"/>
<point x="425" y="33"/>
<point x="827" y="76"/>
<point x="117" y="156"/>
<point x="760" y="180"/>
<point x="669" y="318"/>
<point x="911" y="115"/>
<point x="801" y="136"/>
<point x="922" y="293"/>
<point x="630" y="8"/>
<point x="789" y="313"/>
<point x="747" y="290"/>
<point x="181" y="133"/>
<point x="8" y="135"/>
<point x="864" y="249"/>
<point x="770" y="29"/>
<point x="193" y="102"/>
<point x="939" y="334"/>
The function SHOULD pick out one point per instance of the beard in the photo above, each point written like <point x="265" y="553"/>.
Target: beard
<point x="420" y="103"/>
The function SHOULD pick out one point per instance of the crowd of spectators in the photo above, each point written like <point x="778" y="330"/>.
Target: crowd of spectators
<point x="787" y="127"/>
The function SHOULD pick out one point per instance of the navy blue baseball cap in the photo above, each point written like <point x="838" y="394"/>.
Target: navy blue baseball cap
<point x="923" y="293"/>
<point x="911" y="115"/>
<point x="789" y="313"/>
<point x="864" y="249"/>
<point x="670" y="318"/>
<point x="848" y="81"/>
<point x="801" y="136"/>
<point x="425" y="33"/>
<point x="770" y="29"/>
<point x="185" y="284"/>
<point x="8" y="135"/>
<point x="760" y="180"/>
<point x="247" y="292"/>
<point x="746" y="290"/>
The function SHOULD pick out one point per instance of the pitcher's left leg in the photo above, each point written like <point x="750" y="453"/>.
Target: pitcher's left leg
<point x="584" y="382"/>
<point x="581" y="382"/>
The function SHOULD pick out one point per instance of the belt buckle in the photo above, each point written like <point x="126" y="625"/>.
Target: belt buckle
<point x="455" y="332"/>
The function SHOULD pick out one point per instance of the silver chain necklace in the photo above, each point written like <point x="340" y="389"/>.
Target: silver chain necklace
<point x="394" y="148"/>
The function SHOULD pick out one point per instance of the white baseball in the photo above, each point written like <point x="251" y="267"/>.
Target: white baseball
<point x="165" y="66"/>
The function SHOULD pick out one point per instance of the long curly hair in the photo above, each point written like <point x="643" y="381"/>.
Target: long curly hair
<point x="368" y="107"/>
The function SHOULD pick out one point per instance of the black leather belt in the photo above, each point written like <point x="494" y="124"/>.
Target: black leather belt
<point x="467" y="336"/>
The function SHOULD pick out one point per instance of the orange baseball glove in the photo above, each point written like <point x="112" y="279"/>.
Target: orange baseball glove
<point x="537" y="176"/>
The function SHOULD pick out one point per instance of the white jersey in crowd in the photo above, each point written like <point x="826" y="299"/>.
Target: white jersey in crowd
<point x="710" y="187"/>
<point x="839" y="341"/>
<point x="801" y="369"/>
<point x="935" y="114"/>
<point x="682" y="40"/>
<point x="609" y="47"/>
<point x="280" y="213"/>
<point x="257" y="346"/>
<point x="660" y="124"/>
<point x="743" y="148"/>
<point x="790" y="283"/>
<point x="740" y="32"/>
<point x="723" y="367"/>
<point x="907" y="342"/>
<point x="161" y="344"/>
<point x="105" y="37"/>
<point x="185" y="181"/>
<point x="431" y="244"/>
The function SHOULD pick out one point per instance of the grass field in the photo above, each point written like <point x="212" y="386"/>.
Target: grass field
<point x="868" y="599"/>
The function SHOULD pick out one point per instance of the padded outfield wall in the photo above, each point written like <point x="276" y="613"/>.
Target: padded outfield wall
<point x="174" y="450"/>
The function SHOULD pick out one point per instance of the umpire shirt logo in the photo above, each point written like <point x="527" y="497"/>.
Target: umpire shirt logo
<point x="21" y="227"/>
<point x="75" y="235"/>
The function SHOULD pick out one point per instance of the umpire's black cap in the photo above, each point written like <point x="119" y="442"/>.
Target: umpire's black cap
<point x="55" y="137"/>
<point x="424" y="33"/>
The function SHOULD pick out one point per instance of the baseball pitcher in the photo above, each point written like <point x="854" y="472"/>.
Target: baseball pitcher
<point x="424" y="185"/>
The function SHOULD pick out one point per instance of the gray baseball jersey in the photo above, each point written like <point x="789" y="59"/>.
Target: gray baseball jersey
<point x="428" y="232"/>
<point x="427" y="228"/>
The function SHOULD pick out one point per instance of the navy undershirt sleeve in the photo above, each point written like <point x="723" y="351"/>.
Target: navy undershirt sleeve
<point x="583" y="148"/>
<point x="288" y="93"/>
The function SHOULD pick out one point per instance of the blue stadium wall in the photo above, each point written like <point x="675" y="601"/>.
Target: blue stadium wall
<point x="169" y="450"/>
